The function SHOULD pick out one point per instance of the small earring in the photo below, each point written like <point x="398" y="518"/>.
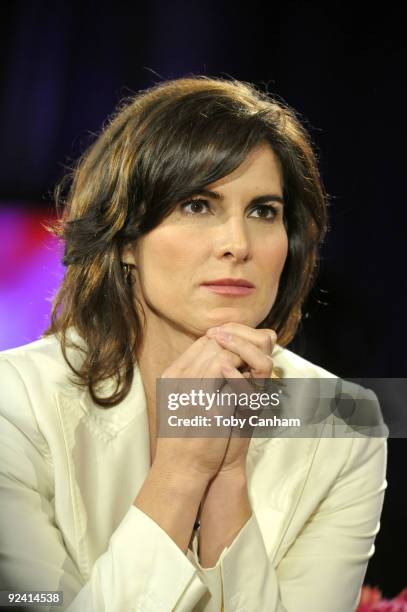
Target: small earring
<point x="127" y="272"/>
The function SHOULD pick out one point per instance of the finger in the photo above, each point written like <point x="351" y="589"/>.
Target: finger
<point x="215" y="357"/>
<point x="236" y="379"/>
<point x="260" y="364"/>
<point x="190" y="362"/>
<point x="239" y="384"/>
<point x="191" y="355"/>
<point x="265" y="339"/>
<point x="198" y="358"/>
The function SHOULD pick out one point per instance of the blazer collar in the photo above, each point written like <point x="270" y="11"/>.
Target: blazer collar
<point x="117" y="417"/>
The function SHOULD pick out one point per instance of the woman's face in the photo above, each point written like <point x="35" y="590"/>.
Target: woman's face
<point x="234" y="232"/>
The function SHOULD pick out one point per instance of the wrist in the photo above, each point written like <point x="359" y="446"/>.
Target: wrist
<point x="225" y="510"/>
<point x="180" y="480"/>
<point x="231" y="477"/>
<point x="171" y="499"/>
<point x="227" y="492"/>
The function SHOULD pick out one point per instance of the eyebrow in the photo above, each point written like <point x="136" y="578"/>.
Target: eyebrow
<point x="269" y="197"/>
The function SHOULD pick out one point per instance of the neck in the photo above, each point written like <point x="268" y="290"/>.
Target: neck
<point x="162" y="344"/>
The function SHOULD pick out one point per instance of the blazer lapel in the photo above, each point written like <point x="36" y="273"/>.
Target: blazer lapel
<point x="107" y="457"/>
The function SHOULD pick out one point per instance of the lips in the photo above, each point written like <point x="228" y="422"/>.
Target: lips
<point x="230" y="282"/>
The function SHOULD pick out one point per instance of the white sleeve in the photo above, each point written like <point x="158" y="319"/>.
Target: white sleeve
<point x="243" y="578"/>
<point x="328" y="559"/>
<point x="142" y="569"/>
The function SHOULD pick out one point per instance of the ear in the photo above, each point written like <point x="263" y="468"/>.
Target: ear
<point x="128" y="255"/>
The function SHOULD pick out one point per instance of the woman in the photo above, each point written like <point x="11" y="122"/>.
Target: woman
<point x="191" y="230"/>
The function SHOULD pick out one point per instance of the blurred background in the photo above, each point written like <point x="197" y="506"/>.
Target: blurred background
<point x="64" y="66"/>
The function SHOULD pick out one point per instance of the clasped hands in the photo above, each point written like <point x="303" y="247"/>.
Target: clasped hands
<point x="230" y="351"/>
<point x="253" y="348"/>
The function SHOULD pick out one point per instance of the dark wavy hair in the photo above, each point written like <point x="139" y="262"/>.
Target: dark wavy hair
<point x="161" y="146"/>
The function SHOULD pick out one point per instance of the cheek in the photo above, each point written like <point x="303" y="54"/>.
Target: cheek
<point x="167" y="254"/>
<point x="274" y="254"/>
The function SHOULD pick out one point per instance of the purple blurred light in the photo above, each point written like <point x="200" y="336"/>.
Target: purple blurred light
<point x="30" y="273"/>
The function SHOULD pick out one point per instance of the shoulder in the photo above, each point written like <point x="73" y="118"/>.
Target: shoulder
<point x="42" y="363"/>
<point x="338" y="461"/>
<point x="351" y="412"/>
<point x="30" y="377"/>
<point x="291" y="365"/>
<point x="38" y="364"/>
<point x="347" y="396"/>
<point x="23" y="380"/>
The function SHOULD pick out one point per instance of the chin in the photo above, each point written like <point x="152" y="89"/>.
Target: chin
<point x="232" y="316"/>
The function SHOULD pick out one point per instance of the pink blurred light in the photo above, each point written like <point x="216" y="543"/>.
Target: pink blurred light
<point x="30" y="273"/>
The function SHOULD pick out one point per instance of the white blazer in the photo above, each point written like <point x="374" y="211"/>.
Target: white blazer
<point x="70" y="471"/>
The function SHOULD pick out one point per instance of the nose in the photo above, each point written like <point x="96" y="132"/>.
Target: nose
<point x="232" y="240"/>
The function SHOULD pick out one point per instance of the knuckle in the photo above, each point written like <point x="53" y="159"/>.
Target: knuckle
<point x="270" y="339"/>
<point x="265" y="341"/>
<point x="268" y="364"/>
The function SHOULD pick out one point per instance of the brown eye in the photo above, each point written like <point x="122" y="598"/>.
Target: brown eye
<point x="267" y="212"/>
<point x="194" y="206"/>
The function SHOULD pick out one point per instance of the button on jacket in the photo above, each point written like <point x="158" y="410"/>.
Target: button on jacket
<point x="70" y="471"/>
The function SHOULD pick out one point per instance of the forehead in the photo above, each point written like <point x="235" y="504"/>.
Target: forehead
<point x="260" y="168"/>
